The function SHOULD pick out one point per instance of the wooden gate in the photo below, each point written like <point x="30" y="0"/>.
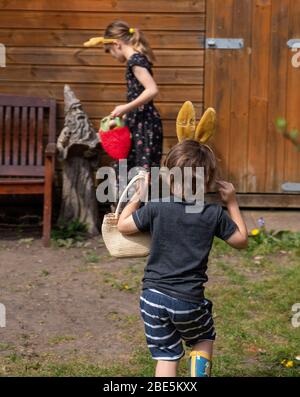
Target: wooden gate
<point x="252" y="86"/>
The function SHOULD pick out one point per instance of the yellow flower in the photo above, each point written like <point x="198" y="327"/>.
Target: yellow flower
<point x="289" y="364"/>
<point x="126" y="286"/>
<point x="255" y="232"/>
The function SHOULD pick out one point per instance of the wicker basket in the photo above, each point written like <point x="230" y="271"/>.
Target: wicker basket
<point x="122" y="245"/>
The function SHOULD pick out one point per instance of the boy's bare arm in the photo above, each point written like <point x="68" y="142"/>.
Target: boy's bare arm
<point x="126" y="224"/>
<point x="239" y="239"/>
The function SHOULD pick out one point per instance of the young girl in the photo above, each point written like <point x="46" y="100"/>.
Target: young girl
<point x="141" y="116"/>
<point x="173" y="304"/>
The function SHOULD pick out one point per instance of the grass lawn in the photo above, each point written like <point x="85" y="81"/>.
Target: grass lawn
<point x="253" y="292"/>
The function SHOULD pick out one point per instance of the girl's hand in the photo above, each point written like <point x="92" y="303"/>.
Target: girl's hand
<point x="119" y="111"/>
<point x="227" y="192"/>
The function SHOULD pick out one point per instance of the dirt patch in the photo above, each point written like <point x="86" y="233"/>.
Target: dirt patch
<point x="58" y="302"/>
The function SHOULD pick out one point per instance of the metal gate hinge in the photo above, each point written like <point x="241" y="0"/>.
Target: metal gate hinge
<point x="226" y="44"/>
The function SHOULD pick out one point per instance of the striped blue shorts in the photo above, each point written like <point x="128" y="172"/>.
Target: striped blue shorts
<point x="168" y="321"/>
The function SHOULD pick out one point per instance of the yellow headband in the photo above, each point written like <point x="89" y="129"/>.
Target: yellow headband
<point x="98" y="40"/>
<point x="186" y="124"/>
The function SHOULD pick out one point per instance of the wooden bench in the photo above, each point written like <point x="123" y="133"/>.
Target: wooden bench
<point x="27" y="150"/>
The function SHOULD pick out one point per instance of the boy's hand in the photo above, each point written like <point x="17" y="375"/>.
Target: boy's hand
<point x="142" y="188"/>
<point x="227" y="192"/>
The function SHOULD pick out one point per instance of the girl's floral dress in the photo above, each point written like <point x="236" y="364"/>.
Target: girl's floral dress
<point x="144" y="123"/>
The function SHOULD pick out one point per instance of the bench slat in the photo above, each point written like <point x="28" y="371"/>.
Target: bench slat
<point x="32" y="127"/>
<point x="16" y="135"/>
<point x="7" y="138"/>
<point x="1" y="133"/>
<point x="12" y="100"/>
<point x="10" y="170"/>
<point x="37" y="188"/>
<point x="24" y="135"/>
<point x="40" y="129"/>
<point x="21" y="181"/>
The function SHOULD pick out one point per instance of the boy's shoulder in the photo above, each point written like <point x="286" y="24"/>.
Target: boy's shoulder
<point x="170" y="202"/>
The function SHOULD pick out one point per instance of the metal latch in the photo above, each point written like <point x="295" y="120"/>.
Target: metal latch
<point x="294" y="43"/>
<point x="293" y="187"/>
<point x="226" y="44"/>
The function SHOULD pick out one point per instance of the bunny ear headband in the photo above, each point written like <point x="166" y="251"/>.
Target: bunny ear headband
<point x="102" y="40"/>
<point x="186" y="124"/>
<point x="98" y="40"/>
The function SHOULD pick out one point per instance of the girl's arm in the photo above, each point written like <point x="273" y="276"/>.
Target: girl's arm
<point x="150" y="91"/>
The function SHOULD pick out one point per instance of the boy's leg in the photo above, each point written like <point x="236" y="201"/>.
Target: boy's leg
<point x="200" y="359"/>
<point x="166" y="368"/>
<point x="163" y="339"/>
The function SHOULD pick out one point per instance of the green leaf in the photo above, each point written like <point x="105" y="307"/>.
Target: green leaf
<point x="281" y="123"/>
<point x="294" y="133"/>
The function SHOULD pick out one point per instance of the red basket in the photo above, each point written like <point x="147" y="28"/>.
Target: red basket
<point x="116" y="141"/>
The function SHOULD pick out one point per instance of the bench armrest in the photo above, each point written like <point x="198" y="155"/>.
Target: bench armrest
<point x="51" y="150"/>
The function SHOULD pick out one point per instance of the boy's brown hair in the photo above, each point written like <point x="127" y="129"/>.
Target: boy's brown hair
<point x="191" y="153"/>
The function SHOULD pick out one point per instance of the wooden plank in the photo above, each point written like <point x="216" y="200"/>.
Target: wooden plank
<point x="209" y="66"/>
<point x="169" y="126"/>
<point x="24" y="134"/>
<point x="218" y="75"/>
<point x="169" y="131"/>
<point x="22" y="171"/>
<point x="113" y="75"/>
<point x="7" y="143"/>
<point x="275" y="164"/>
<point x="168" y="111"/>
<point x="262" y="200"/>
<point x="32" y="132"/>
<point x="292" y="157"/>
<point x="22" y="189"/>
<point x="16" y="135"/>
<point x="52" y="122"/>
<point x="95" y="57"/>
<point x="257" y="148"/>
<point x="178" y="39"/>
<point x="2" y="135"/>
<point x="39" y="140"/>
<point x="239" y="96"/>
<point x="120" y="6"/>
<point x="99" y="21"/>
<point x="19" y="100"/>
<point x="101" y="92"/>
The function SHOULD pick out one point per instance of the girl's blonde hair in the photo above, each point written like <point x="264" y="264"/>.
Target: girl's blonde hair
<point x="132" y="36"/>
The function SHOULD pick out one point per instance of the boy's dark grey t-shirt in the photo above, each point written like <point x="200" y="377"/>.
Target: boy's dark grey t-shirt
<point x="180" y="245"/>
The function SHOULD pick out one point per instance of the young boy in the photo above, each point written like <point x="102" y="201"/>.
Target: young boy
<point x="172" y="302"/>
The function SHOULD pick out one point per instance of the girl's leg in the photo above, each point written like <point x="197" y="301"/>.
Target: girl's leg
<point x="166" y="368"/>
<point x="200" y="359"/>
